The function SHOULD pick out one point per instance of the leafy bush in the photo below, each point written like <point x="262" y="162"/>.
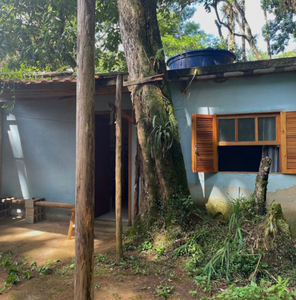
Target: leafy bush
<point x="263" y="291"/>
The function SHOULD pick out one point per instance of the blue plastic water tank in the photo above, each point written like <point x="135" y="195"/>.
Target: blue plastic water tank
<point x="200" y="58"/>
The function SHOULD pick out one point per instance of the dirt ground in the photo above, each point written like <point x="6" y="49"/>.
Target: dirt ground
<point x="47" y="241"/>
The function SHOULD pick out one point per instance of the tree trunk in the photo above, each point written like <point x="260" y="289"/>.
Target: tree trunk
<point x="231" y="24"/>
<point x="233" y="10"/>
<point x="243" y="31"/>
<point x="163" y="175"/>
<point x="267" y="38"/>
<point x="248" y="35"/>
<point x="261" y="186"/>
<point x="85" y="157"/>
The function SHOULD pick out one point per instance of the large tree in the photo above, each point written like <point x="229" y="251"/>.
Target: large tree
<point x="38" y="32"/>
<point x="179" y="33"/>
<point x="235" y="22"/>
<point x="279" y="30"/>
<point x="162" y="167"/>
<point x="44" y="33"/>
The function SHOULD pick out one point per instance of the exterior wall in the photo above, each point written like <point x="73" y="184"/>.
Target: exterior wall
<point x="237" y="95"/>
<point x="39" y="149"/>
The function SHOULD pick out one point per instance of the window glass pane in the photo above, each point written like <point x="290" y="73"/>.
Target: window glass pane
<point x="266" y="129"/>
<point x="246" y="158"/>
<point x="239" y="158"/>
<point x="226" y="130"/>
<point x="246" y="129"/>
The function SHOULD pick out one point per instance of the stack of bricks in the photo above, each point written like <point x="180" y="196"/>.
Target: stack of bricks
<point x="4" y="206"/>
<point x="34" y="213"/>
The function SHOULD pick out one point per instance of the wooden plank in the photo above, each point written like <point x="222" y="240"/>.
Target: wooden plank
<point x="123" y="114"/>
<point x="85" y="154"/>
<point x="157" y="77"/>
<point x="55" y="204"/>
<point x="129" y="174"/>
<point x="118" y="168"/>
<point x="72" y="222"/>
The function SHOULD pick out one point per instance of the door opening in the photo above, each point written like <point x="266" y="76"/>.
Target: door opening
<point x="105" y="168"/>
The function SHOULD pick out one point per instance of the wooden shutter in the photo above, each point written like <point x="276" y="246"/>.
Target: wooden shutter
<point x="288" y="142"/>
<point x="204" y="143"/>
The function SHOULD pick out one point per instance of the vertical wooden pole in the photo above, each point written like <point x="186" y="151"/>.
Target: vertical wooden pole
<point x="129" y="173"/>
<point x="85" y="158"/>
<point x="1" y="135"/>
<point x="118" y="194"/>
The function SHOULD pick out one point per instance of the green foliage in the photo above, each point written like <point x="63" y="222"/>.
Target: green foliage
<point x="9" y="78"/>
<point x="180" y="210"/>
<point x="17" y="270"/>
<point x="44" y="270"/>
<point x="27" y="275"/>
<point x="162" y="136"/>
<point x="46" y="32"/>
<point x="232" y="255"/>
<point x="38" y="30"/>
<point x="5" y="259"/>
<point x="164" y="290"/>
<point x="228" y="251"/>
<point x="12" y="279"/>
<point x="145" y="246"/>
<point x="202" y="283"/>
<point x="280" y="29"/>
<point x="291" y="53"/>
<point x="263" y="291"/>
<point x="179" y="34"/>
<point x="109" y="56"/>
<point x="101" y="259"/>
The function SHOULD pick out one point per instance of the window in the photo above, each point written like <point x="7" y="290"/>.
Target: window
<point x="237" y="142"/>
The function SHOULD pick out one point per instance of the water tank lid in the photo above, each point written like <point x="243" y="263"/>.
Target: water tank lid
<point x="207" y="51"/>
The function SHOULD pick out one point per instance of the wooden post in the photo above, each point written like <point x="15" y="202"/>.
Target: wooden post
<point x="1" y="135"/>
<point x="118" y="194"/>
<point x="85" y="158"/>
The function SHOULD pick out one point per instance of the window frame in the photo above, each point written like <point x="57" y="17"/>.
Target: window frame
<point x="286" y="140"/>
<point x="248" y="116"/>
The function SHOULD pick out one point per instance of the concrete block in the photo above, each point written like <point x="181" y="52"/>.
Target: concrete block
<point x="33" y="213"/>
<point x="29" y="203"/>
<point x="30" y="211"/>
<point x="29" y="219"/>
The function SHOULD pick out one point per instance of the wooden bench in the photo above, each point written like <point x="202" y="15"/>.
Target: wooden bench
<point x="40" y="202"/>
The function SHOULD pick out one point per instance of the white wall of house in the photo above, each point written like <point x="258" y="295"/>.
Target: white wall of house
<point x="39" y="149"/>
<point x="237" y="95"/>
<point x="39" y="141"/>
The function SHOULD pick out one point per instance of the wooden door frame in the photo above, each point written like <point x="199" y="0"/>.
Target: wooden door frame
<point x="129" y="195"/>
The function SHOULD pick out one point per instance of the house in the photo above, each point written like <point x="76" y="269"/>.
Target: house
<point x="228" y="116"/>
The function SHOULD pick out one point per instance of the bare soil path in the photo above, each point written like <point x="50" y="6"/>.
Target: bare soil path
<point x="46" y="244"/>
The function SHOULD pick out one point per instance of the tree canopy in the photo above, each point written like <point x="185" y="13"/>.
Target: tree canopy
<point x="38" y="32"/>
<point x="280" y="29"/>
<point x="43" y="32"/>
<point x="179" y="34"/>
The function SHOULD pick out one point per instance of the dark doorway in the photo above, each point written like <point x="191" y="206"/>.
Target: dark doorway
<point x="105" y="165"/>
